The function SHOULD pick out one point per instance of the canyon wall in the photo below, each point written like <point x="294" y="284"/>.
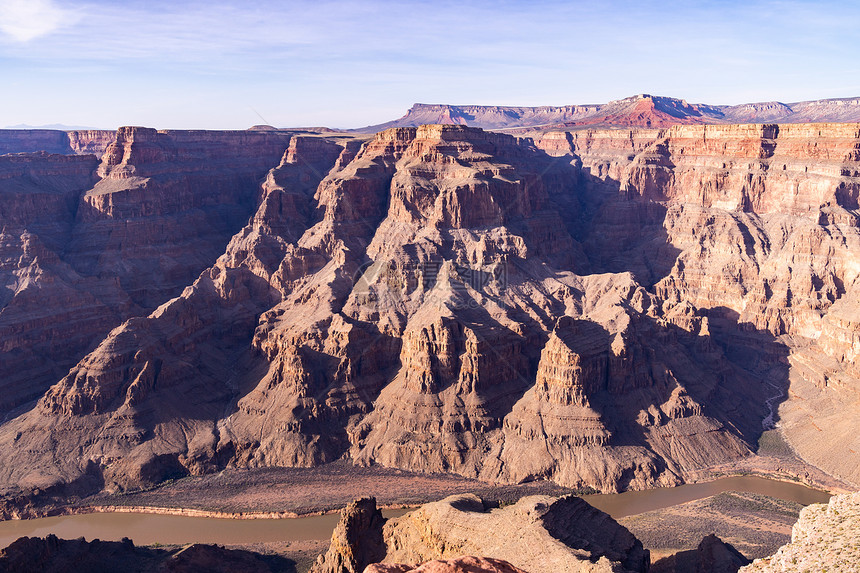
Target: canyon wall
<point x="614" y="308"/>
<point x="758" y="230"/>
<point x="80" y="142"/>
<point x="86" y="245"/>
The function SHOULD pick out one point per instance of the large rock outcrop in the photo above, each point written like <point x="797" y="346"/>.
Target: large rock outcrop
<point x="537" y="534"/>
<point x="826" y="537"/>
<point x="357" y="540"/>
<point x="467" y="564"/>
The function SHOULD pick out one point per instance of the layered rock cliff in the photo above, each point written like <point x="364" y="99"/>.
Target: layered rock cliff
<point x="87" y="245"/>
<point x="604" y="308"/>
<point x="83" y="142"/>
<point x="758" y="230"/>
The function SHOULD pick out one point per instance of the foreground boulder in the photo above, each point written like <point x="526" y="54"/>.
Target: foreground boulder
<point x="826" y="537"/>
<point x="537" y="534"/>
<point x="467" y="564"/>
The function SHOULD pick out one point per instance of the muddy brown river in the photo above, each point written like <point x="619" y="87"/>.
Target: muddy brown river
<point x="147" y="529"/>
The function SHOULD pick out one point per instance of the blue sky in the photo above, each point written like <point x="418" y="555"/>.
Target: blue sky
<point x="345" y="63"/>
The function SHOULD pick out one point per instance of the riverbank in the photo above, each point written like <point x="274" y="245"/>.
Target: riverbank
<point x="269" y="493"/>
<point x="276" y="493"/>
<point x="755" y="524"/>
<point x="153" y="524"/>
<point x="280" y="493"/>
<point x="293" y="492"/>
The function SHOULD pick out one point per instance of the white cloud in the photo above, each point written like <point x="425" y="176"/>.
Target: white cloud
<point x="25" y="20"/>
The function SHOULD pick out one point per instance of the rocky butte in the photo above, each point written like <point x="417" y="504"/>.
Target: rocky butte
<point x="605" y="307"/>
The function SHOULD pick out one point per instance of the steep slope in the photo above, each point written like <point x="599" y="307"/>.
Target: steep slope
<point x="47" y="311"/>
<point x="416" y="307"/>
<point x="88" y="245"/>
<point x="759" y="231"/>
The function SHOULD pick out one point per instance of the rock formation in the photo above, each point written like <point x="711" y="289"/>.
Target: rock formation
<point x="356" y="541"/>
<point x="713" y="555"/>
<point x="643" y="110"/>
<point x="85" y="246"/>
<point x="605" y="308"/>
<point x="537" y="534"/>
<point x="467" y="564"/>
<point x="53" y="555"/>
<point x="825" y="538"/>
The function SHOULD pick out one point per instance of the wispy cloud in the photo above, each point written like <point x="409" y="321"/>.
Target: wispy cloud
<point x="25" y="20"/>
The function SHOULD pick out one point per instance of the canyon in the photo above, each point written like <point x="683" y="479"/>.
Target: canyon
<point x="603" y="308"/>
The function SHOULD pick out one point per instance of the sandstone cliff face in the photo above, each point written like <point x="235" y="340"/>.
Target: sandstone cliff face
<point x="825" y="538"/>
<point x="48" y="311"/>
<point x="757" y="227"/>
<point x="538" y="534"/>
<point x="91" y="141"/>
<point x="166" y="205"/>
<point x="34" y="140"/>
<point x="84" y="249"/>
<point x="82" y="142"/>
<point x="613" y="309"/>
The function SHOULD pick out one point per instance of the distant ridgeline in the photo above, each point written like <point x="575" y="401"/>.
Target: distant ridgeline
<point x="638" y="111"/>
